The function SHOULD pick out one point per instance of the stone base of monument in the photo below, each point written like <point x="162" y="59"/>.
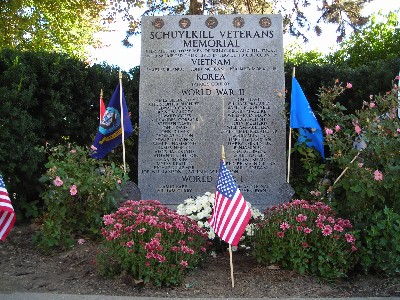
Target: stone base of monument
<point x="129" y="191"/>
<point x="285" y="192"/>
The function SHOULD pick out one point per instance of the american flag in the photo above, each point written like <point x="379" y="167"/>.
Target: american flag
<point x="7" y="214"/>
<point x="230" y="213"/>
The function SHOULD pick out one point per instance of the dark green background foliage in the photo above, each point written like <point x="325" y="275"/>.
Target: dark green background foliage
<point x="372" y="78"/>
<point x="48" y="99"/>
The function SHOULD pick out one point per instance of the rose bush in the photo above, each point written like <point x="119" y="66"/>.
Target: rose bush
<point x="78" y="191"/>
<point x="151" y="243"/>
<point x="305" y="237"/>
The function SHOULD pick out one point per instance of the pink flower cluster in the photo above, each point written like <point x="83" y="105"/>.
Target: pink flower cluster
<point x="378" y="176"/>
<point x="58" y="182"/>
<point x="300" y="216"/>
<point x="147" y="227"/>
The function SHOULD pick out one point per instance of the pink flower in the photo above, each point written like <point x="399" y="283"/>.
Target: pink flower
<point x="360" y="165"/>
<point x="315" y="193"/>
<point x="337" y="128"/>
<point x="349" y="238"/>
<point x="353" y="248"/>
<point x="301" y="218"/>
<point x="184" y="263"/>
<point x="372" y="105"/>
<point x="119" y="181"/>
<point x="73" y="151"/>
<point x="281" y="234"/>
<point x="398" y="130"/>
<point x="357" y="129"/>
<point x="378" y="176"/>
<point x="349" y="85"/>
<point x="328" y="131"/>
<point x="338" y="228"/>
<point x="285" y="226"/>
<point x="73" y="191"/>
<point x="142" y="230"/>
<point x="58" y="181"/>
<point x="304" y="244"/>
<point x="130" y="244"/>
<point x="307" y="230"/>
<point x="81" y="241"/>
<point x="93" y="148"/>
<point x="327" y="230"/>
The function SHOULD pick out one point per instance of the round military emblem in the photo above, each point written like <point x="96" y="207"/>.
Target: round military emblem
<point x="211" y="22"/>
<point x="110" y="121"/>
<point x="158" y="23"/>
<point x="184" y="23"/>
<point x="238" y="22"/>
<point x="265" y="22"/>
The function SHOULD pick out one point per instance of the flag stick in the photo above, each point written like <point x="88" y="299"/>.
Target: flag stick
<point x="101" y="97"/>
<point x="398" y="97"/>
<point x="231" y="263"/>
<point x="122" y="119"/>
<point x="230" y="247"/>
<point x="290" y="141"/>
<point x="345" y="170"/>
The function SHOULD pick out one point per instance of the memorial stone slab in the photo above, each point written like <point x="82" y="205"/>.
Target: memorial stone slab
<point x="207" y="81"/>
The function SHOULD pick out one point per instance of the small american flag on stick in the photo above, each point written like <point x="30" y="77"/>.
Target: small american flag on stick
<point x="7" y="214"/>
<point x="230" y="213"/>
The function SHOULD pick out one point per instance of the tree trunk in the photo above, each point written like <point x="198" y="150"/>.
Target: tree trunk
<point x="196" y="7"/>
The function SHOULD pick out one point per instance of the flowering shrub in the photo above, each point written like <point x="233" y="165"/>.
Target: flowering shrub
<point x="78" y="191"/>
<point x="150" y="242"/>
<point x="363" y="144"/>
<point x="200" y="210"/>
<point x="367" y="143"/>
<point x="307" y="238"/>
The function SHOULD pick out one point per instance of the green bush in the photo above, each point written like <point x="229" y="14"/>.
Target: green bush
<point x="78" y="191"/>
<point x="151" y="243"/>
<point x="307" y="238"/>
<point x="48" y="98"/>
<point x="380" y="243"/>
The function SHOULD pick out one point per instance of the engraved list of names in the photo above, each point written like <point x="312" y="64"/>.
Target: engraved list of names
<point x="207" y="81"/>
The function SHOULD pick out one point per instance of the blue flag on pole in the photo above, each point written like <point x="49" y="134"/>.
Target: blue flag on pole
<point x="302" y="117"/>
<point x="109" y="134"/>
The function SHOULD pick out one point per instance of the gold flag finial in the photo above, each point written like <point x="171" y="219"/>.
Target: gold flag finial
<point x="294" y="72"/>
<point x="223" y="153"/>
<point x="101" y="93"/>
<point x="120" y="74"/>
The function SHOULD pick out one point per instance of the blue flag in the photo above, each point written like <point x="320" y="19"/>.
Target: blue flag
<point x="109" y="134"/>
<point x="302" y="117"/>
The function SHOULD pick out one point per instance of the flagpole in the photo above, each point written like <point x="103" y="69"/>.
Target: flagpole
<point x="101" y="97"/>
<point x="398" y="97"/>
<point x="230" y="246"/>
<point x="290" y="140"/>
<point x="122" y="119"/>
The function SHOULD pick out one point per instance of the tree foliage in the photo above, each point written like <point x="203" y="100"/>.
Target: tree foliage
<point x="378" y="40"/>
<point x="298" y="15"/>
<point x="50" y="25"/>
